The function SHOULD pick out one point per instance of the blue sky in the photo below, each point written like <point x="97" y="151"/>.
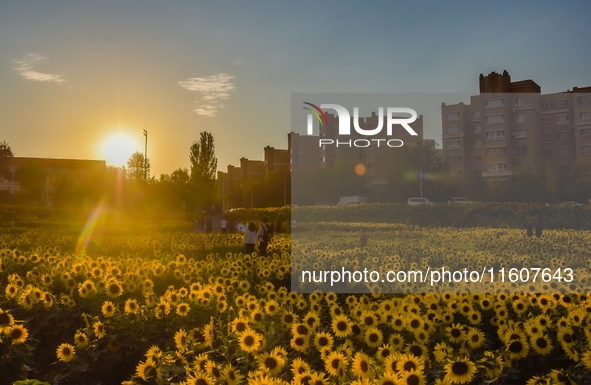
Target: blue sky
<point x="72" y="73"/>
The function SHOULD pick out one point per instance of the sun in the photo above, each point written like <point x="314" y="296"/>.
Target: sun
<point x="117" y="148"/>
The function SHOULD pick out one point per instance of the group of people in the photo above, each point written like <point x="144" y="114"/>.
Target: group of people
<point x="262" y="236"/>
<point x="534" y="228"/>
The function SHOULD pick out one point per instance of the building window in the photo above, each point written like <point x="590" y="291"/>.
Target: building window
<point x="545" y="138"/>
<point x="563" y="136"/>
<point x="585" y="150"/>
<point x="586" y="132"/>
<point x="476" y="115"/>
<point x="521" y="150"/>
<point x="561" y="120"/>
<point x="519" y="101"/>
<point x="585" y="99"/>
<point x="476" y="158"/>
<point x="520" y="118"/>
<point x="493" y="103"/>
<point x="452" y="116"/>
<point x="453" y="144"/>
<point x="476" y="129"/>
<point x="544" y="105"/>
<point x="495" y="119"/>
<point x="495" y="135"/>
<point x="585" y="115"/>
<point x="477" y="143"/>
<point x="496" y="151"/>
<point x="564" y="152"/>
<point x="560" y="104"/>
<point x="546" y="153"/>
<point x="497" y="167"/>
<point x="519" y="134"/>
<point x="452" y="130"/>
<point x="454" y="159"/>
<point x="544" y="121"/>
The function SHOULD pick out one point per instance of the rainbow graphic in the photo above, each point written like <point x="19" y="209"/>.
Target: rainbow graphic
<point x="318" y="113"/>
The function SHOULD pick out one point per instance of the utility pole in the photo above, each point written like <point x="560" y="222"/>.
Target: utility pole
<point x="146" y="153"/>
<point x="421" y="178"/>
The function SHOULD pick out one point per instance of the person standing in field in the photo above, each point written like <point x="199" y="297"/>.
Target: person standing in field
<point x="208" y="226"/>
<point x="223" y="225"/>
<point x="538" y="230"/>
<point x="250" y="238"/>
<point x="363" y="239"/>
<point x="264" y="236"/>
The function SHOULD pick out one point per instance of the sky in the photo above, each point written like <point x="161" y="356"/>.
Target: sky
<point x="74" y="73"/>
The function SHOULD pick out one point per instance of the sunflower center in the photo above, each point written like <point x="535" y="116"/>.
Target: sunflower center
<point x="415" y="324"/>
<point x="249" y="340"/>
<point x="515" y="347"/>
<point x="302" y="330"/>
<point x="413" y="379"/>
<point x="373" y="337"/>
<point x="364" y="366"/>
<point x="459" y="368"/>
<point x="541" y="343"/>
<point x="271" y="363"/>
<point x="4" y="319"/>
<point x="408" y="365"/>
<point x="335" y="363"/>
<point x="342" y="326"/>
<point x="456" y="333"/>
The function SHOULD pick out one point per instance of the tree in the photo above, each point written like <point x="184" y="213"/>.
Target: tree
<point x="203" y="169"/>
<point x="138" y="168"/>
<point x="5" y="154"/>
<point x="204" y="164"/>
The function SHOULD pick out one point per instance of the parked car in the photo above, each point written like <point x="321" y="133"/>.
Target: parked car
<point x="419" y="201"/>
<point x="461" y="200"/>
<point x="572" y="204"/>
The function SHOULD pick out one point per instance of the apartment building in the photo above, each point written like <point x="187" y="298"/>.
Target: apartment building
<point x="510" y="126"/>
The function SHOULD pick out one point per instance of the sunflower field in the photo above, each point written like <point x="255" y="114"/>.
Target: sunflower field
<point x="107" y="297"/>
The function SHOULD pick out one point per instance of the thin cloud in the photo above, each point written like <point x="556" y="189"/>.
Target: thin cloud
<point x="212" y="90"/>
<point x="24" y="67"/>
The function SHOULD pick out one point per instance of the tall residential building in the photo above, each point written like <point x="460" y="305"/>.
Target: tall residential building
<point x="511" y="126"/>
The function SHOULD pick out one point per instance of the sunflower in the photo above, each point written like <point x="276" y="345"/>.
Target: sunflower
<point x="250" y="341"/>
<point x="475" y="338"/>
<point x="108" y="309"/>
<point x="298" y="365"/>
<point x="289" y="318"/>
<point x="442" y="352"/>
<point x="81" y="340"/>
<point x="65" y="352"/>
<point x="231" y="375"/>
<point x="460" y="371"/>
<point x="18" y="334"/>
<point x="212" y="369"/>
<point x="560" y="377"/>
<point x="396" y="341"/>
<point x="373" y="337"/>
<point x="183" y="309"/>
<point x="411" y="378"/>
<point x="387" y="379"/>
<point x="455" y="333"/>
<point x="362" y="365"/>
<point x="517" y="349"/>
<point x="318" y="379"/>
<point x="323" y="341"/>
<point x="114" y="289"/>
<point x="131" y="306"/>
<point x="408" y="362"/>
<point x="384" y="351"/>
<point x="99" y="329"/>
<point x="181" y="340"/>
<point x="271" y="362"/>
<point x="565" y="335"/>
<point x="541" y="344"/>
<point x="586" y="359"/>
<point x="298" y="329"/>
<point x="335" y="364"/>
<point x="6" y="321"/>
<point x="341" y="326"/>
<point x="239" y="325"/>
<point x="300" y="343"/>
